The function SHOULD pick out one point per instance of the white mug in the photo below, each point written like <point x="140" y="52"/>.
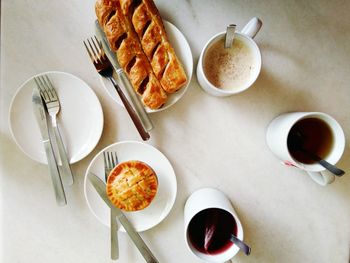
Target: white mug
<point x="277" y="135"/>
<point x="203" y="199"/>
<point x="246" y="36"/>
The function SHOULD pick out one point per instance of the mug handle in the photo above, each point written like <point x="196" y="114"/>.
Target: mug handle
<point x="322" y="178"/>
<point x="252" y="28"/>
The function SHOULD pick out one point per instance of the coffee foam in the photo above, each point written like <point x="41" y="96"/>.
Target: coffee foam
<point x="230" y="68"/>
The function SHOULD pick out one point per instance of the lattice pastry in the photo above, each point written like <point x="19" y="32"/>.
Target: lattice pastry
<point x="132" y="185"/>
<point x="148" y="24"/>
<point x="124" y="41"/>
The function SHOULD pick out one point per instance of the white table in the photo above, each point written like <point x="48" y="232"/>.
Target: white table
<point x="210" y="141"/>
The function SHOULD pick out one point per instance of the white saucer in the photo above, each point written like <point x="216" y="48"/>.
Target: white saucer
<point x="183" y="52"/>
<point x="80" y="119"/>
<point x="167" y="186"/>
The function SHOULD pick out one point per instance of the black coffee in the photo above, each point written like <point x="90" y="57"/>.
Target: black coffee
<point x="310" y="135"/>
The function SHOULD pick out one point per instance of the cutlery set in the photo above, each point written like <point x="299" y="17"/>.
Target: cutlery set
<point x="100" y="187"/>
<point x="104" y="68"/>
<point x="46" y="107"/>
<point x="45" y="103"/>
<point x="135" y="101"/>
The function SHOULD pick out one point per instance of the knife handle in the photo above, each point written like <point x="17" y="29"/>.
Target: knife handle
<point x="54" y="173"/>
<point x="138" y="241"/>
<point x="65" y="169"/>
<point x="146" y="121"/>
<point x="114" y="236"/>
<point x="133" y="115"/>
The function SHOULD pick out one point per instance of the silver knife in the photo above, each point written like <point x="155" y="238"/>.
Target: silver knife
<point x="140" y="109"/>
<point x="100" y="187"/>
<point x="41" y="117"/>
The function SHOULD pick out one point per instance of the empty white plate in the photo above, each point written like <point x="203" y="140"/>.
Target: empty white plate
<point x="167" y="186"/>
<point x="183" y="52"/>
<point x="80" y="119"/>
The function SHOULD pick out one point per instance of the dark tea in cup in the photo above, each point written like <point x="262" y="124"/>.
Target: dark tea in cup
<point x="310" y="138"/>
<point x="210" y="230"/>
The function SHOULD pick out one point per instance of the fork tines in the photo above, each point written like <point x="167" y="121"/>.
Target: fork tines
<point x="45" y="87"/>
<point x="95" y="49"/>
<point x="110" y="160"/>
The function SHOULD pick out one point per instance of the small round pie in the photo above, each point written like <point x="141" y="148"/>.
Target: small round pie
<point x="132" y="185"/>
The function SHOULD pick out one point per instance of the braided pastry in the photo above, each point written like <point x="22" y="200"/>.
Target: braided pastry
<point x="149" y="27"/>
<point x="124" y="41"/>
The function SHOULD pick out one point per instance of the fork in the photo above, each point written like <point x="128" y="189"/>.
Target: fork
<point x="105" y="69"/>
<point x="110" y="161"/>
<point x="48" y="93"/>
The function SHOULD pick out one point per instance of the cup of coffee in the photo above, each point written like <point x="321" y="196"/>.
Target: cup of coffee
<point x="210" y="220"/>
<point x="226" y="71"/>
<point x="300" y="138"/>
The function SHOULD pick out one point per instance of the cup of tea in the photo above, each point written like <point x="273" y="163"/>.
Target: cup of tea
<point x="299" y="138"/>
<point x="226" y="71"/>
<point x="210" y="220"/>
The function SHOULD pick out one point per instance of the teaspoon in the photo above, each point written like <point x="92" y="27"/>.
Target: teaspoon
<point x="243" y="246"/>
<point x="297" y="144"/>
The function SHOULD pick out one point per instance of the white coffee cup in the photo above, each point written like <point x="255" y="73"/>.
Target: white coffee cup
<point x="246" y="36"/>
<point x="277" y="135"/>
<point x="203" y="199"/>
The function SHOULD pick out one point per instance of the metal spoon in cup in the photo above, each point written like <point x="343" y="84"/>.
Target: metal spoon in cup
<point x="243" y="246"/>
<point x="297" y="144"/>
<point x="230" y="35"/>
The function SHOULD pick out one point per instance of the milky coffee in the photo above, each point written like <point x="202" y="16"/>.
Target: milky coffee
<point x="229" y="68"/>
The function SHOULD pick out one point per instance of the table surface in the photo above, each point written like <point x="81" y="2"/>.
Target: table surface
<point x="210" y="141"/>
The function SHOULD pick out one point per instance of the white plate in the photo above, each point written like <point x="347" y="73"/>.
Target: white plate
<point x="183" y="52"/>
<point x="167" y="187"/>
<point x="80" y="118"/>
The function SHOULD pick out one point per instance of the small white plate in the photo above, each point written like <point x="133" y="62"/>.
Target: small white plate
<point x="183" y="52"/>
<point x="167" y="186"/>
<point x="80" y="119"/>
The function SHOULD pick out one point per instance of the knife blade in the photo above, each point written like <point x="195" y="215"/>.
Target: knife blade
<point x="139" y="108"/>
<point x="41" y="118"/>
<point x="100" y="187"/>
